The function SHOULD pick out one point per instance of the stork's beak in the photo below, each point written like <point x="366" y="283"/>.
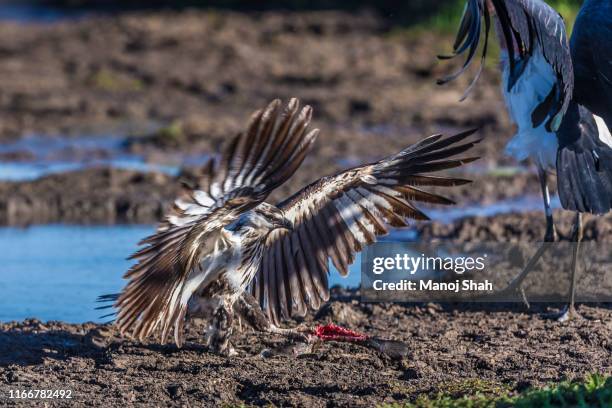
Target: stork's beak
<point x="285" y="223"/>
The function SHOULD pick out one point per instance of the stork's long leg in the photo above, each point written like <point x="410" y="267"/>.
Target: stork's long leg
<point x="570" y="311"/>
<point x="550" y="236"/>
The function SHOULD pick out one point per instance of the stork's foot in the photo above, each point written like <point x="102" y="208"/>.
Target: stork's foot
<point x="566" y="314"/>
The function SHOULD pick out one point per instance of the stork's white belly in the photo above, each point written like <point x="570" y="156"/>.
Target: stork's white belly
<point x="529" y="91"/>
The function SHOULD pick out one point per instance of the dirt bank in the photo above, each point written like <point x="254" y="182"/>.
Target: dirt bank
<point x="449" y="348"/>
<point x="105" y="195"/>
<point x="183" y="82"/>
<point x="210" y="69"/>
<point x="161" y="66"/>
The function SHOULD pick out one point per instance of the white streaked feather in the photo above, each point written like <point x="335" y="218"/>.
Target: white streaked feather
<point x="303" y="206"/>
<point x="172" y="304"/>
<point x="388" y="191"/>
<point x="348" y="210"/>
<point x="195" y="209"/>
<point x="361" y="202"/>
<point x="376" y="199"/>
<point x="182" y="204"/>
<point x="364" y="200"/>
<point x="203" y="198"/>
<point x="215" y="190"/>
<point x="229" y="183"/>
<point x="180" y="221"/>
<point x="368" y="179"/>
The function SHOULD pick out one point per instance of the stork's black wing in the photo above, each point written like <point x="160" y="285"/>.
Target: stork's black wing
<point x="591" y="46"/>
<point x="254" y="163"/>
<point x="527" y="26"/>
<point x="584" y="162"/>
<point x="532" y="26"/>
<point x="468" y="40"/>
<point x="337" y="216"/>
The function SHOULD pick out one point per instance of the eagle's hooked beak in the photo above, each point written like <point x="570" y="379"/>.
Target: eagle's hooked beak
<point x="285" y="223"/>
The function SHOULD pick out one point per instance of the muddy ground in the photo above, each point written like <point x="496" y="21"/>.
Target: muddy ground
<point x="453" y="349"/>
<point x="186" y="81"/>
<point x="449" y="348"/>
<point x="210" y="69"/>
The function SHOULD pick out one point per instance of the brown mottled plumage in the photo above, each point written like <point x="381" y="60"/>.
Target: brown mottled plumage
<point x="222" y="241"/>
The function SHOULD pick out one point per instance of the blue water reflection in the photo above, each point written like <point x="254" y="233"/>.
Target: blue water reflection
<point x="55" y="272"/>
<point x="45" y="155"/>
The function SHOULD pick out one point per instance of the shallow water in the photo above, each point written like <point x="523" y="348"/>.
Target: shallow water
<point x="44" y="155"/>
<point x="518" y="205"/>
<point x="21" y="12"/>
<point x="55" y="272"/>
<point x="33" y="171"/>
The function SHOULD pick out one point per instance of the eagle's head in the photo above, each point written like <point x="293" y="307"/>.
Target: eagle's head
<point x="262" y="220"/>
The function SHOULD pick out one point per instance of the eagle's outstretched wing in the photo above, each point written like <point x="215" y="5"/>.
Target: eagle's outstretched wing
<point x="336" y="216"/>
<point x="254" y="163"/>
<point x="527" y="26"/>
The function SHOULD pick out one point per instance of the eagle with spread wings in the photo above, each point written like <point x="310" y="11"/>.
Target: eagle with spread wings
<point x="222" y="246"/>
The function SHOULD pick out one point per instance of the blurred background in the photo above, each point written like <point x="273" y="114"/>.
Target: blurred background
<point x="106" y="106"/>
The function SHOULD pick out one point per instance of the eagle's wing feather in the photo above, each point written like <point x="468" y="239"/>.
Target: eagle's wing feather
<point x="254" y="163"/>
<point x="336" y="216"/>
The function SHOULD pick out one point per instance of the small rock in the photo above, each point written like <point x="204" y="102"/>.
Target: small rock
<point x="175" y="391"/>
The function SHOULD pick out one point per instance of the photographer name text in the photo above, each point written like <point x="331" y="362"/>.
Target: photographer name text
<point x="431" y="285"/>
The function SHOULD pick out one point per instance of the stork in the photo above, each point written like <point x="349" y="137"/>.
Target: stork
<point x="559" y="94"/>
